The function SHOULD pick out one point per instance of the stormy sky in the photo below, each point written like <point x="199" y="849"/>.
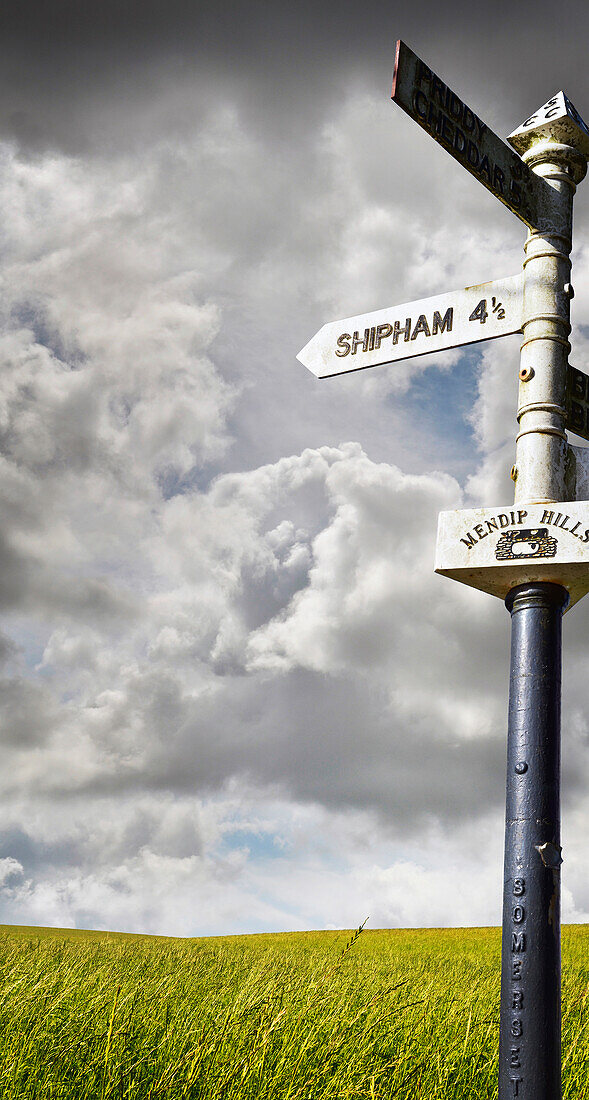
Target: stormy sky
<point x="235" y="696"/>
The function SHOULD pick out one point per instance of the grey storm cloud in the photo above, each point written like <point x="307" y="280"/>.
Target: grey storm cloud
<point x="283" y="62"/>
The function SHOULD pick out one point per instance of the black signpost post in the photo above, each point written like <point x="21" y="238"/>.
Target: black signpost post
<point x="529" y="1041"/>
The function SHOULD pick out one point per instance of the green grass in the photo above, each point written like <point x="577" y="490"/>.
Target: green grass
<point x="402" y="1014"/>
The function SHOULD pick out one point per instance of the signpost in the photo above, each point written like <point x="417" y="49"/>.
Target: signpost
<point x="534" y="554"/>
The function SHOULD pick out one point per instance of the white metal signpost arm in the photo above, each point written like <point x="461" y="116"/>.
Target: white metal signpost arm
<point x="481" y="312"/>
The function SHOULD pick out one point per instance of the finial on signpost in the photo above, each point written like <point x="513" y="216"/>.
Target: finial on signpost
<point x="556" y="123"/>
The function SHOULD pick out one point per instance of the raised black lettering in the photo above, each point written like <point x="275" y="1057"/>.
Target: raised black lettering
<point x="516" y="970"/>
<point x="454" y="106"/>
<point x="514" y="1062"/>
<point x="515" y="193"/>
<point x="517" y="1029"/>
<point x="459" y="140"/>
<point x="576" y="417"/>
<point x="515" y="1084"/>
<point x="442" y="324"/>
<point x="406" y="330"/>
<point x="480" y="312"/>
<point x="438" y="90"/>
<point x="469" y="541"/>
<point x="435" y="118"/>
<point x="382" y="332"/>
<point x="517" y="999"/>
<point x="519" y="914"/>
<point x="519" y="884"/>
<point x="423" y="74"/>
<point x="421" y="325"/>
<point x="420" y="104"/>
<point x="357" y="340"/>
<point x="343" y="344"/>
<point x="468" y="120"/>
<point x="573" y="111"/>
<point x="577" y="383"/>
<point x="485" y="168"/>
<point x="472" y="154"/>
<point x="447" y="130"/>
<point x="498" y="180"/>
<point x="518" y="941"/>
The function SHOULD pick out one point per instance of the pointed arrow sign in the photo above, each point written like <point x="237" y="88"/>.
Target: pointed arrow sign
<point x="436" y="108"/>
<point x="480" y="312"/>
<point x="577" y="402"/>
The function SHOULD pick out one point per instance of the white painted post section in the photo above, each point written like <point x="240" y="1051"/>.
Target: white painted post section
<point x="541" y="444"/>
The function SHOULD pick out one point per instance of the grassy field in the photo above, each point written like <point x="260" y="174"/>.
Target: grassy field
<point x="300" y="1016"/>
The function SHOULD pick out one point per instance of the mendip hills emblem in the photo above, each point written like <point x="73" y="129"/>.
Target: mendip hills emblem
<point x="531" y="542"/>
